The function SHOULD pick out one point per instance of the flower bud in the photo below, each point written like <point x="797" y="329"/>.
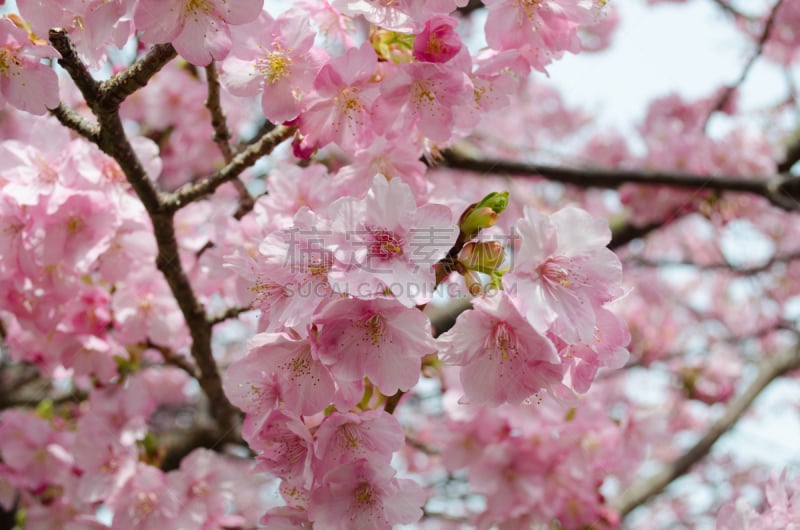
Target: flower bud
<point x="483" y="214"/>
<point x="438" y="41"/>
<point x="392" y="46"/>
<point x="482" y="256"/>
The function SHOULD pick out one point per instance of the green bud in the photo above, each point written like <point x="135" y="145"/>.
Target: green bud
<point x="45" y="409"/>
<point x="392" y="46"/>
<point x="482" y="256"/>
<point x="497" y="201"/>
<point x="483" y="214"/>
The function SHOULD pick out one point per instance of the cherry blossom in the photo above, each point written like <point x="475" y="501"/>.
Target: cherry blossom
<point x="351" y="264"/>
<point x="361" y="495"/>
<point x="275" y="57"/>
<point x="380" y="339"/>
<point x="389" y="243"/>
<point x="279" y="370"/>
<point x="25" y="82"/>
<point x="563" y="271"/>
<point x="339" y="109"/>
<point x="503" y="358"/>
<point x="199" y="29"/>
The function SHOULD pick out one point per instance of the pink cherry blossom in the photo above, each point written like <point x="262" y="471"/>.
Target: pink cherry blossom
<point x="284" y="446"/>
<point x="92" y="24"/>
<point x="389" y="16"/>
<point x="146" y="501"/>
<point x="437" y="42"/>
<point x="275" y="57"/>
<point x="502" y="357"/>
<point x="25" y="82"/>
<point x="607" y="350"/>
<point x="33" y="450"/>
<point x="106" y="464"/>
<point x="396" y="157"/>
<point x="346" y="437"/>
<point x="144" y="309"/>
<point x="291" y="273"/>
<point x="424" y="94"/>
<point x="389" y="243"/>
<point x="781" y="510"/>
<point x="546" y="28"/>
<point x="204" y="490"/>
<point x="563" y="271"/>
<point x="365" y="496"/>
<point x="278" y="371"/>
<point x="380" y="339"/>
<point x="287" y="518"/>
<point x="339" y="109"/>
<point x="199" y="29"/>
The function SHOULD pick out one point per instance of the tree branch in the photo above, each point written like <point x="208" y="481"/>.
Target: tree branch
<point x="792" y="156"/>
<point x="72" y="120"/>
<point x="170" y="357"/>
<point x="222" y="136"/>
<point x="744" y="271"/>
<point x="243" y="160"/>
<point x="782" y="190"/>
<point x="627" y="233"/>
<point x="726" y="95"/>
<point x="70" y="62"/>
<point x="114" y="142"/>
<point x="769" y="370"/>
<point x="136" y="76"/>
<point x="231" y="312"/>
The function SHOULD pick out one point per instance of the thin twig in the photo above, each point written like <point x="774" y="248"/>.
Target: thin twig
<point x="726" y="95"/>
<point x="72" y="120"/>
<point x="728" y="8"/>
<point x="393" y="401"/>
<point x="170" y="357"/>
<point x="769" y="370"/>
<point x="125" y="83"/>
<point x="262" y="147"/>
<point x="222" y="136"/>
<point x="231" y="312"/>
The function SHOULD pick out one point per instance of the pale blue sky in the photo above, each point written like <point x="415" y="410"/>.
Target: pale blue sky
<point x="689" y="48"/>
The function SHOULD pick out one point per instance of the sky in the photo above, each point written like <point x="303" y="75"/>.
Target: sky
<point x="690" y="49"/>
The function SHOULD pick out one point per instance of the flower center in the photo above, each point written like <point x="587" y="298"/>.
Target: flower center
<point x="7" y="60"/>
<point x="503" y="341"/>
<point x="375" y="327"/>
<point x="146" y="503"/>
<point x="556" y="270"/>
<point x="385" y="244"/>
<point x="423" y="94"/>
<point x="348" y="102"/>
<point x="193" y="6"/>
<point x="274" y="65"/>
<point x="365" y="495"/>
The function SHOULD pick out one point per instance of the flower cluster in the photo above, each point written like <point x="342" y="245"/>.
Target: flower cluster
<point x="343" y="245"/>
<point x="782" y="509"/>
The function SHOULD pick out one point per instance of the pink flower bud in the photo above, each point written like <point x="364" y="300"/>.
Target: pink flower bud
<point x="482" y="256"/>
<point x="437" y="42"/>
